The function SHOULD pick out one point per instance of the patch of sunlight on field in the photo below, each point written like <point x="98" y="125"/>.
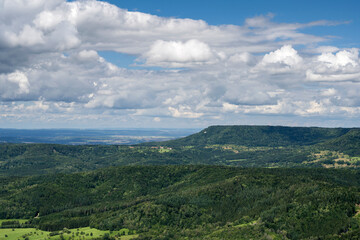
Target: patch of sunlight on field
<point x="355" y="159"/>
<point x="236" y="160"/>
<point x="79" y="233"/>
<point x="164" y="150"/>
<point x="22" y="233"/>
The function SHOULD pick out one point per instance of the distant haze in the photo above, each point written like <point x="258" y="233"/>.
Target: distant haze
<point x="91" y="136"/>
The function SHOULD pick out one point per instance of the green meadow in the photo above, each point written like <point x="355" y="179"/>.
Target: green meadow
<point x="66" y="234"/>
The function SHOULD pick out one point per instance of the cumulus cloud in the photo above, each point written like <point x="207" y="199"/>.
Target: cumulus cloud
<point x="50" y="63"/>
<point x="285" y="55"/>
<point x="14" y="85"/>
<point x="62" y="26"/>
<point x="20" y="79"/>
<point x="38" y="105"/>
<point x="249" y="93"/>
<point x="243" y="57"/>
<point x="175" y="53"/>
<point x="184" y="112"/>
<point x="340" y="59"/>
<point x="27" y="37"/>
<point x="341" y="66"/>
<point x="329" y="92"/>
<point x="281" y="60"/>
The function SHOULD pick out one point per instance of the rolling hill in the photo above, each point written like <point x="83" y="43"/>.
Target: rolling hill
<point x="255" y="136"/>
<point x="348" y="143"/>
<point x="195" y="202"/>
<point x="225" y="182"/>
<point x="245" y="146"/>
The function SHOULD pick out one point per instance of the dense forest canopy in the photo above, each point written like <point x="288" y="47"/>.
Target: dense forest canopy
<point x="245" y="146"/>
<point x="255" y="136"/>
<point x="225" y="182"/>
<point x="190" y="201"/>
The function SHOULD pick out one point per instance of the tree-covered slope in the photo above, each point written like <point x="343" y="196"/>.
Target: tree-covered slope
<point x="193" y="201"/>
<point x="254" y="136"/>
<point x="245" y="146"/>
<point x="198" y="202"/>
<point x="348" y="143"/>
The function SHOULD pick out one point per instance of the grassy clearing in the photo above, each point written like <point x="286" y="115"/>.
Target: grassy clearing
<point x="22" y="233"/>
<point x="357" y="209"/>
<point x="250" y="230"/>
<point x="164" y="150"/>
<point x="333" y="159"/>
<point x="355" y="160"/>
<point x="188" y="147"/>
<point x="238" y="148"/>
<point x="67" y="234"/>
<point x="237" y="160"/>
<point x="247" y="224"/>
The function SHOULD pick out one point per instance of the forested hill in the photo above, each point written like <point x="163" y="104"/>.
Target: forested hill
<point x="192" y="202"/>
<point x="348" y="143"/>
<point x="254" y="136"/>
<point x="225" y="182"/>
<point x="245" y="146"/>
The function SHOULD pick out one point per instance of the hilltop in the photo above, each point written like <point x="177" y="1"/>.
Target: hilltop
<point x="261" y="136"/>
<point x="245" y="146"/>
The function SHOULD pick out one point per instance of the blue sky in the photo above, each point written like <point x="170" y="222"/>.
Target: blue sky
<point x="235" y="12"/>
<point x="162" y="63"/>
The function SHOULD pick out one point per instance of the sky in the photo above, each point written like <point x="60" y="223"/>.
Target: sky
<point x="179" y="64"/>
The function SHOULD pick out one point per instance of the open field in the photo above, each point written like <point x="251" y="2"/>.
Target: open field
<point x="67" y="234"/>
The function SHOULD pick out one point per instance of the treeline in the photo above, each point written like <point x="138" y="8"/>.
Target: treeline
<point x="191" y="201"/>
<point x="15" y="224"/>
<point x="254" y="136"/>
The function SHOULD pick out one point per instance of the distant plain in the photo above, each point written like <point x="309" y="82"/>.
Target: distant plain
<point x="91" y="136"/>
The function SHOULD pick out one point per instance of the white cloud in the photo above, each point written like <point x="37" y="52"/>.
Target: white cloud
<point x="38" y="105"/>
<point x="340" y="59"/>
<point x="20" y="79"/>
<point x="286" y="55"/>
<point x="240" y="58"/>
<point x="184" y="112"/>
<point x="157" y="119"/>
<point x="50" y="64"/>
<point x="177" y="53"/>
<point x="341" y="66"/>
<point x="329" y="92"/>
<point x="14" y="85"/>
<point x="88" y="55"/>
<point x="228" y="107"/>
<point x="313" y="107"/>
<point x="28" y="37"/>
<point x="63" y="26"/>
<point x="325" y="49"/>
<point x="248" y="92"/>
<point x="310" y="75"/>
<point x="48" y="20"/>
